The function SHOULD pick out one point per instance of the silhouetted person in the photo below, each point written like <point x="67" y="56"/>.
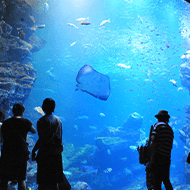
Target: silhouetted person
<point x="14" y="153"/>
<point x="162" y="142"/>
<point x="49" y="146"/>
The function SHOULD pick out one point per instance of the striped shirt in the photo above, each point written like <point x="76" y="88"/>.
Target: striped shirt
<point x="163" y="137"/>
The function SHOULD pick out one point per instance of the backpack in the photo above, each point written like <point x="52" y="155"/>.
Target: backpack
<point x="144" y="150"/>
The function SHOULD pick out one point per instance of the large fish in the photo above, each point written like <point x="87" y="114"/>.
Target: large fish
<point x="94" y="83"/>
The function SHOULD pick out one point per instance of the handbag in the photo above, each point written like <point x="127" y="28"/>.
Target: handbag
<point x="144" y="150"/>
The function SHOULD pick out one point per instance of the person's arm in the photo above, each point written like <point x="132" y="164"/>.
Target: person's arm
<point x="36" y="147"/>
<point x="32" y="130"/>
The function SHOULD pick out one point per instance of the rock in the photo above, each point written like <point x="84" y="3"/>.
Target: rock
<point x="183" y="187"/>
<point x="37" y="43"/>
<point x="17" y="41"/>
<point x="16" y="83"/>
<point x="5" y="29"/>
<point x="133" y="122"/>
<point x="13" y="49"/>
<point x="114" y="147"/>
<point x="81" y="185"/>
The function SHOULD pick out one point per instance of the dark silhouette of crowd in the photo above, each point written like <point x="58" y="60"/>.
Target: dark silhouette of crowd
<point x="48" y="149"/>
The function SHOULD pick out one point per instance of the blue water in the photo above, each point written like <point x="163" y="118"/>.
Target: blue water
<point x="138" y="36"/>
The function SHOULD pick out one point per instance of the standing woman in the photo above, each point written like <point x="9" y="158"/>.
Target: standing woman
<point x="49" y="146"/>
<point x="14" y="153"/>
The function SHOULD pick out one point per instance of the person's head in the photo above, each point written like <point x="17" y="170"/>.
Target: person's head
<point x="48" y="105"/>
<point x="2" y="116"/>
<point x="162" y="116"/>
<point x="18" y="109"/>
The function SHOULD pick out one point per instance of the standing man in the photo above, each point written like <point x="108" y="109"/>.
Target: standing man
<point x="14" y="153"/>
<point x="49" y="146"/>
<point x="162" y="142"/>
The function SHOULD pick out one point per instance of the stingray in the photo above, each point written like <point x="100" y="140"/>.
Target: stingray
<point x="94" y="83"/>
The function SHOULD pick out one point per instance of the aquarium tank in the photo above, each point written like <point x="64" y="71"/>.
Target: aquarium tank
<point x="110" y="66"/>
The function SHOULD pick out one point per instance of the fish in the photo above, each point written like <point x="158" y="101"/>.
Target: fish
<point x="72" y="25"/>
<point x="141" y="20"/>
<point x="175" y="143"/>
<point x="179" y="89"/>
<point x="46" y="7"/>
<point x="104" y="22"/>
<point x="186" y="55"/>
<point x="76" y="127"/>
<point x="173" y="82"/>
<point x="39" y="110"/>
<point x="108" y="170"/>
<point x="102" y="114"/>
<point x="82" y="117"/>
<point x="38" y="26"/>
<point x="84" y="23"/>
<point x="67" y="173"/>
<point x="82" y="19"/>
<point x="172" y="124"/>
<point x="175" y="117"/>
<point x="88" y="169"/>
<point x="84" y="161"/>
<point x="188" y="149"/>
<point x="167" y="45"/>
<point x="121" y="65"/>
<point x="41" y="26"/>
<point x="109" y="152"/>
<point x="127" y="171"/>
<point x="182" y="133"/>
<point x="94" y="83"/>
<point x="73" y="44"/>
<point x="124" y="159"/>
<point x="93" y="127"/>
<point x="51" y="75"/>
<point x="133" y="147"/>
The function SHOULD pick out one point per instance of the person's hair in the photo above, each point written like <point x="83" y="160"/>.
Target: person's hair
<point x="18" y="109"/>
<point x="48" y="105"/>
<point x="2" y="116"/>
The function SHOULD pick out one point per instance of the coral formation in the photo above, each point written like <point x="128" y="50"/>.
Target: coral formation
<point x="17" y="42"/>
